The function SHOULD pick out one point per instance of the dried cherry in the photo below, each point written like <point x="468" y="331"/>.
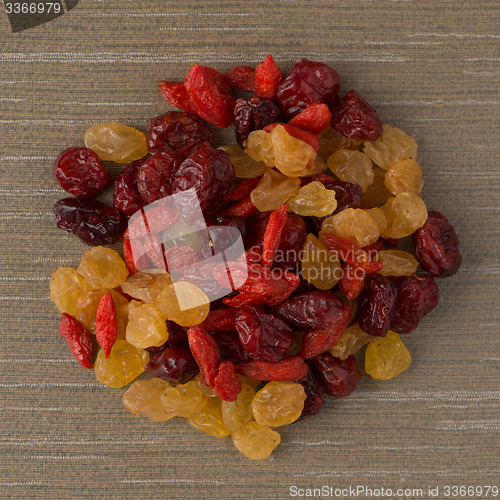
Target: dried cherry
<point x="315" y="394"/>
<point x="126" y="196"/>
<point x="338" y="377"/>
<point x="175" y="364"/>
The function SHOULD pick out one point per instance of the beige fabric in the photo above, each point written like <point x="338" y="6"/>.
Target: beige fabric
<point x="429" y="67"/>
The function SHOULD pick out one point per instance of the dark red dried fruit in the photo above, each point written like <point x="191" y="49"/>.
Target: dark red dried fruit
<point x="437" y="246"/>
<point x="78" y="340"/>
<point x="209" y="172"/>
<point x="339" y="377"/>
<point x="155" y="175"/>
<point x="253" y="113"/>
<point x="417" y="296"/>
<point x="243" y="189"/>
<point x="262" y="335"/>
<point x="267" y="77"/>
<point x="92" y="221"/>
<point x="314" y="118"/>
<point x="376" y="305"/>
<point x="177" y="335"/>
<point x="243" y="208"/>
<point x="176" y="94"/>
<point x="315" y="395"/>
<point x="307" y="82"/>
<point x="126" y="196"/>
<point x="175" y="364"/>
<point x="220" y="320"/>
<point x="211" y="95"/>
<point x="230" y="347"/>
<point x="105" y="323"/>
<point x="297" y="132"/>
<point x="206" y="353"/>
<point x="241" y="78"/>
<point x="311" y="310"/>
<point x="227" y="385"/>
<point x="80" y="172"/>
<point x="292" y="240"/>
<point x="178" y="130"/>
<point x="353" y="117"/>
<point x="289" y="369"/>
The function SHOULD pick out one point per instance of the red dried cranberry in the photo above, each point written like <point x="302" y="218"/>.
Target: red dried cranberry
<point x="311" y="310"/>
<point x="437" y="246"/>
<point x="339" y="377"/>
<point x="376" y="305"/>
<point x="80" y="172"/>
<point x="154" y="176"/>
<point x="292" y="240"/>
<point x="307" y="82"/>
<point x="252" y="114"/>
<point x="175" y="364"/>
<point x="353" y="117"/>
<point x="126" y="196"/>
<point x="230" y="347"/>
<point x="315" y="395"/>
<point x="417" y="296"/>
<point x="263" y="336"/>
<point x="178" y="130"/>
<point x="92" y="221"/>
<point x="209" y="172"/>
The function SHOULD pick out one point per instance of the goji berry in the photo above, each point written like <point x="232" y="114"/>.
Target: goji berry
<point x="227" y="385"/>
<point x="176" y="94"/>
<point x="272" y="235"/>
<point x="105" y="323"/>
<point x="289" y="369"/>
<point x="220" y="320"/>
<point x="243" y="208"/>
<point x="352" y="282"/>
<point x="315" y="118"/>
<point x="243" y="189"/>
<point x="267" y="77"/>
<point x="78" y="340"/>
<point x="298" y="133"/>
<point x="241" y="78"/>
<point x="206" y="354"/>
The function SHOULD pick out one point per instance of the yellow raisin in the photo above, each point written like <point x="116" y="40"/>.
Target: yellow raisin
<point x="181" y="234"/>
<point x="397" y="263"/>
<point x="313" y="199"/>
<point x="293" y="157"/>
<point x="209" y="421"/>
<point x="146" y="327"/>
<point x="256" y="441"/>
<point x="278" y="403"/>
<point x="330" y="141"/>
<point x="144" y="398"/>
<point x="392" y="146"/>
<point x="351" y="341"/>
<point x="236" y="414"/>
<point x="116" y="142"/>
<point x="377" y="193"/>
<point x="354" y="224"/>
<point x="404" y="176"/>
<point x="125" y="363"/>
<point x="379" y="218"/>
<point x="320" y="266"/>
<point x="205" y="389"/>
<point x="352" y="166"/>
<point x="184" y="303"/>
<point x="260" y="147"/>
<point x="245" y="167"/>
<point x="406" y="212"/>
<point x="387" y="357"/>
<point x="184" y="399"/>
<point x="146" y="286"/>
<point x="274" y="190"/>
<point x="66" y="288"/>
<point x="102" y="267"/>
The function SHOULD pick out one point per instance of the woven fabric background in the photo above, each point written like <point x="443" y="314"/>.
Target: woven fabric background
<point x="429" y="67"/>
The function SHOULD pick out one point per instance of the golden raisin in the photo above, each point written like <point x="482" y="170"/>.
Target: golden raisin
<point x="66" y="288"/>
<point x="245" y="167"/>
<point x="209" y="421"/>
<point x="352" y="166"/>
<point x="274" y="190"/>
<point x="379" y="217"/>
<point x="256" y="441"/>
<point x="313" y="199"/>
<point x="184" y="399"/>
<point x="330" y="141"/>
<point x="236" y="414"/>
<point x="406" y="212"/>
<point x="351" y="341"/>
<point x="144" y="398"/>
<point x="146" y="327"/>
<point x="146" y="286"/>
<point x="377" y="193"/>
<point x="404" y="176"/>
<point x="320" y="266"/>
<point x="387" y="357"/>
<point x="397" y="263"/>
<point x="260" y="147"/>
<point x="102" y="267"/>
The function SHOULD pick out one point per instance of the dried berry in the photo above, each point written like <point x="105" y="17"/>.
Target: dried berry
<point x="230" y="346"/>
<point x="106" y="324"/>
<point x="241" y="78"/>
<point x="291" y="368"/>
<point x="80" y="172"/>
<point x="314" y="118"/>
<point x="78" y="339"/>
<point x="267" y="77"/>
<point x="272" y="235"/>
<point x="387" y="358"/>
<point x="206" y="353"/>
<point x="220" y="320"/>
<point x="175" y="364"/>
<point x="315" y="395"/>
<point x="226" y="383"/>
<point x="175" y="93"/>
<point x="338" y="377"/>
<point x="437" y="246"/>
<point x="351" y="341"/>
<point x="144" y="398"/>
<point x="126" y="196"/>
<point x="92" y="221"/>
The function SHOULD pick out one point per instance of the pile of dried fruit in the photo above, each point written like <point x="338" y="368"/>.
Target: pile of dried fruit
<point x="323" y="196"/>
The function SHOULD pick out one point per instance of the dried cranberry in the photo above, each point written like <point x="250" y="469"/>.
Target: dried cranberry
<point x="230" y="347"/>
<point x="252" y="114"/>
<point x="353" y="117"/>
<point x="376" y="305"/>
<point x="307" y="82"/>
<point x="437" y="246"/>
<point x="92" y="221"/>
<point x="80" y="172"/>
<point x="220" y="320"/>
<point x="177" y="335"/>
<point x="315" y="395"/>
<point x="126" y="196"/>
<point x="311" y="310"/>
<point x="339" y="377"/>
<point x="263" y="336"/>
<point x="154" y="176"/>
<point x="178" y="130"/>
<point x="292" y="240"/>
<point x="175" y="364"/>
<point x="417" y="296"/>
<point x="209" y="172"/>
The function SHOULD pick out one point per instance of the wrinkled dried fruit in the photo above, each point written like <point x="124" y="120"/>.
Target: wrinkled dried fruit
<point x="387" y="358"/>
<point x="352" y="166"/>
<point x="144" y="398"/>
<point x="260" y="147"/>
<point x="78" y="340"/>
<point x="106" y="328"/>
<point x="66" y="288"/>
<point x="315" y="395"/>
<point x="175" y="364"/>
<point x="146" y="327"/>
<point x="272" y="235"/>
<point x="126" y="196"/>
<point x="226" y="383"/>
<point x="175" y="93"/>
<point x="315" y="118"/>
<point x="102" y="268"/>
<point x="330" y="141"/>
<point x="405" y="213"/>
<point x="256" y="441"/>
<point x="289" y="369"/>
<point x="351" y="341"/>
<point x="313" y="199"/>
<point x="146" y="286"/>
<point x="267" y="77"/>
<point x="404" y="176"/>
<point x="377" y="193"/>
<point x="397" y="263"/>
<point x="339" y="377"/>
<point x="236" y="414"/>
<point x="245" y="167"/>
<point x="206" y="353"/>
<point x="241" y="78"/>
<point x="274" y="190"/>
<point x="209" y="421"/>
<point x="184" y="400"/>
